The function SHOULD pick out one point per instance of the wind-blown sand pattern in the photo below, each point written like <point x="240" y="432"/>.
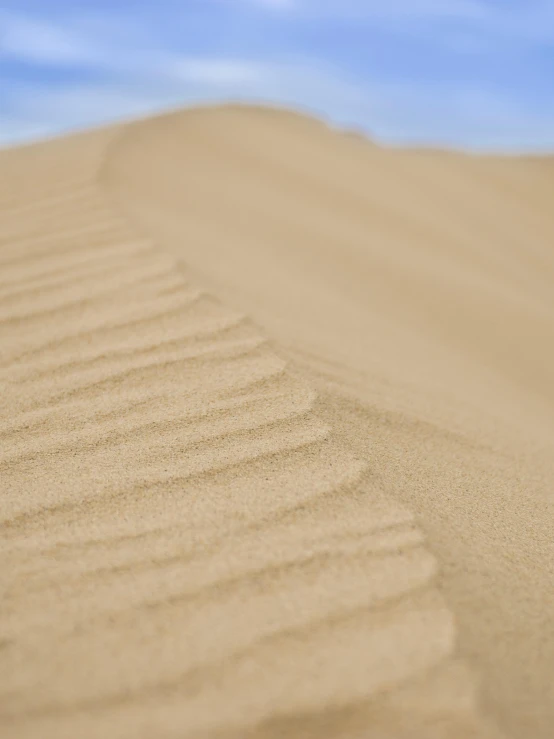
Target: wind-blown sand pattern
<point x="276" y="435"/>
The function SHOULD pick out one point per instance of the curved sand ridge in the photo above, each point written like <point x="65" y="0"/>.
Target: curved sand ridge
<point x="196" y="543"/>
<point x="414" y="289"/>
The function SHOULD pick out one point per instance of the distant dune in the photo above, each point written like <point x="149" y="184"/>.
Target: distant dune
<point x="276" y="435"/>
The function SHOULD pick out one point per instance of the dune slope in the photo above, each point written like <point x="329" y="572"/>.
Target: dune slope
<point x="277" y="439"/>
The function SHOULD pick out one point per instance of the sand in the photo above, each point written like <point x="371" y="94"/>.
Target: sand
<point x="276" y="435"/>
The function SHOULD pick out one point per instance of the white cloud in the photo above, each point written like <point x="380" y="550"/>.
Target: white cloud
<point x="39" y="113"/>
<point x="33" y="40"/>
<point x="215" y="71"/>
<point x="173" y="82"/>
<point x="158" y="77"/>
<point x="394" y="112"/>
<point x="407" y="9"/>
<point x="528" y="21"/>
<point x="492" y="22"/>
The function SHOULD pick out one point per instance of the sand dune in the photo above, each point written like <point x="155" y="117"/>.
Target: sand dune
<point x="276" y="435"/>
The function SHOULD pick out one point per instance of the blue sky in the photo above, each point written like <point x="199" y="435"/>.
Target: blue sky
<point x="469" y="73"/>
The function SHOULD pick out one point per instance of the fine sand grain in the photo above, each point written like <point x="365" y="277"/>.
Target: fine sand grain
<point x="276" y="436"/>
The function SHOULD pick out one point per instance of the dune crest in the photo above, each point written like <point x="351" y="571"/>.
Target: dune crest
<point x="207" y="515"/>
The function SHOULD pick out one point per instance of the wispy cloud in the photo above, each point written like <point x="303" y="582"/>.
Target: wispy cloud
<point x="214" y="71"/>
<point x="31" y="39"/>
<point x="524" y="20"/>
<point x="399" y="9"/>
<point x="439" y="71"/>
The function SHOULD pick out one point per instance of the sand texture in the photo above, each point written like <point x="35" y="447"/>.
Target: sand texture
<point x="276" y="436"/>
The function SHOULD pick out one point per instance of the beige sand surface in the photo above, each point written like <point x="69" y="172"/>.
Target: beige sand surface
<point x="276" y="436"/>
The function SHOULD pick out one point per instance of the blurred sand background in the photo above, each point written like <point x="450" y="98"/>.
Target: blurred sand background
<point x="276" y="436"/>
